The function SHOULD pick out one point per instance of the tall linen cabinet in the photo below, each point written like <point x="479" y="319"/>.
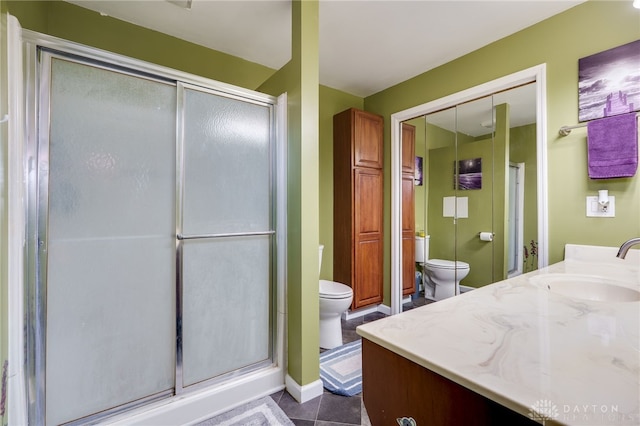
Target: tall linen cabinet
<point x="358" y="200"/>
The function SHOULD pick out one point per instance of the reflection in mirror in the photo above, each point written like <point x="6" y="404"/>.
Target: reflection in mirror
<point x="474" y="195"/>
<point x="480" y="166"/>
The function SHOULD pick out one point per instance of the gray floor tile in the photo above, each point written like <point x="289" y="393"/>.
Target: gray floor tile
<point x="299" y="422"/>
<point x="294" y="410"/>
<point x="364" y="417"/>
<point x="341" y="409"/>
<point x="276" y="396"/>
<point x="373" y="317"/>
<point x="349" y="336"/>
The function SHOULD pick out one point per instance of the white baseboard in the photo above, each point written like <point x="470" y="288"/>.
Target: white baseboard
<point x="304" y="393"/>
<point x="466" y="288"/>
<point x="384" y="309"/>
<point x="360" y="312"/>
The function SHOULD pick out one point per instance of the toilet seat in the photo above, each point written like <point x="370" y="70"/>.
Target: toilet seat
<point x="334" y="290"/>
<point x="446" y="264"/>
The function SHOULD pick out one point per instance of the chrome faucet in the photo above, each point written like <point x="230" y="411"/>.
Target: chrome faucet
<point x="624" y="248"/>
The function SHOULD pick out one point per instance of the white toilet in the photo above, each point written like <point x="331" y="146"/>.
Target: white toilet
<point x="335" y="299"/>
<point x="444" y="275"/>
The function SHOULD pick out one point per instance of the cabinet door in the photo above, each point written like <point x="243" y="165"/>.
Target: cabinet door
<point x="408" y="234"/>
<point x="368" y="255"/>
<point x="368" y="279"/>
<point x="367" y="144"/>
<point x="408" y="148"/>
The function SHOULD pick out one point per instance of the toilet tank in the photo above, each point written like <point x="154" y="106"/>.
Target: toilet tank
<point x="422" y="249"/>
<point x="320" y="249"/>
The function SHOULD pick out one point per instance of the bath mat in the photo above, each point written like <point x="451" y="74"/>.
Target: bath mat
<point x="261" y="412"/>
<point x="341" y="369"/>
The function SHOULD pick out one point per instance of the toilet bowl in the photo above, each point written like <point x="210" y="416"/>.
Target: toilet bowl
<point x="335" y="299"/>
<point x="446" y="276"/>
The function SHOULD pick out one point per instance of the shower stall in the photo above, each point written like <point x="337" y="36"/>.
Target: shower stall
<point x="154" y="235"/>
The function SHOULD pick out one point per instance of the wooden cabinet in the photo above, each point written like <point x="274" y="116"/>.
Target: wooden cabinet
<point x="358" y="202"/>
<point x="394" y="387"/>
<point x="408" y="209"/>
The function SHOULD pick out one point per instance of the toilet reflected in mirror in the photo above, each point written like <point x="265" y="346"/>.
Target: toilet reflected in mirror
<point x="440" y="277"/>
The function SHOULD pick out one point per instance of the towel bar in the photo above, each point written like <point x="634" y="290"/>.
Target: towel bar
<point x="566" y="130"/>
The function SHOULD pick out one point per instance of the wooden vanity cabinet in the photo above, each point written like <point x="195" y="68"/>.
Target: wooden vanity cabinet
<point x="394" y="387"/>
<point x="408" y="208"/>
<point x="358" y="202"/>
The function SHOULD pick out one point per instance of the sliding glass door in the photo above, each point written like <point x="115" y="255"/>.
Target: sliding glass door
<point x="108" y="247"/>
<point x="226" y="234"/>
<point x="154" y="239"/>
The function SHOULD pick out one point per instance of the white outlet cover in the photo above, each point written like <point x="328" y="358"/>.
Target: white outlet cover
<point x="594" y="209"/>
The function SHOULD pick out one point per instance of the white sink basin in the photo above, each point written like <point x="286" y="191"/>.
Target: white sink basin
<point x="587" y="287"/>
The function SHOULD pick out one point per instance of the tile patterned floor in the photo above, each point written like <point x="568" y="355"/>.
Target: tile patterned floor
<point x="326" y="410"/>
<point x="330" y="409"/>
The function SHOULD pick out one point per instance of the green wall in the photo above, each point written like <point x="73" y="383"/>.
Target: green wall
<point x="478" y="254"/>
<point x="299" y="78"/>
<point x="441" y="230"/>
<point x="87" y="27"/>
<point x="558" y="42"/>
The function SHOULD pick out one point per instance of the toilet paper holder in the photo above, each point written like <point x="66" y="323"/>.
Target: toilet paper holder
<point x="486" y="236"/>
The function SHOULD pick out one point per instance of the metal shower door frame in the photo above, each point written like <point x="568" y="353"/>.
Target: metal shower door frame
<point x="37" y="51"/>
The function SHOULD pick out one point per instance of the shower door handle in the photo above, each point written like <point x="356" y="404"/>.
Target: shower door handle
<point x="182" y="237"/>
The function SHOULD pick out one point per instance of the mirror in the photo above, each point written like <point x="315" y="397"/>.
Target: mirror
<point x="474" y="195"/>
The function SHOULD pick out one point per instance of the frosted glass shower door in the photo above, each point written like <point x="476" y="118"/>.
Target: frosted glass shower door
<point x="226" y="235"/>
<point x="107" y="232"/>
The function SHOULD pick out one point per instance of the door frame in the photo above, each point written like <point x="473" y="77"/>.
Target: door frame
<point x="534" y="74"/>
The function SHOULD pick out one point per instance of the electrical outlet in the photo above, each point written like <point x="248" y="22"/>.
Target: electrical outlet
<point x="595" y="209"/>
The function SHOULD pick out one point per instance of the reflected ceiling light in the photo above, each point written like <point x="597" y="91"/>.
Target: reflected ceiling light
<point x="636" y="4"/>
<point x="490" y="123"/>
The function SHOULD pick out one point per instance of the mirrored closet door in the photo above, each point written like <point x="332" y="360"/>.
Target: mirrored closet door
<point x="475" y="178"/>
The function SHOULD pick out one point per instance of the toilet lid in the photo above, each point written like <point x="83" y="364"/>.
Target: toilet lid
<point x="446" y="264"/>
<point x="334" y="290"/>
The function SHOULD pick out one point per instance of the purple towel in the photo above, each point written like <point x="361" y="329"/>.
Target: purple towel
<point x="613" y="146"/>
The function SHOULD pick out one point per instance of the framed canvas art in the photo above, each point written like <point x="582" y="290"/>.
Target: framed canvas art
<point x="469" y="174"/>
<point x="609" y="82"/>
<point x="418" y="174"/>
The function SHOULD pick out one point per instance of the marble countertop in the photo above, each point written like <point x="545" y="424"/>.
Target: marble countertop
<point x="537" y="352"/>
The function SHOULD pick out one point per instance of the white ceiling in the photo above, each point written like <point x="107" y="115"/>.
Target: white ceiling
<point x="365" y="45"/>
